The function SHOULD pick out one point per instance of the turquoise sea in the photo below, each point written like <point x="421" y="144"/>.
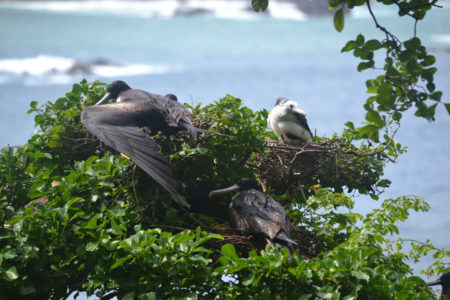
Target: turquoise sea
<point x="258" y="58"/>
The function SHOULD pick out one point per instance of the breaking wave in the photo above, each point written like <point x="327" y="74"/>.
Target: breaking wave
<point x="45" y="69"/>
<point x="233" y="9"/>
<point x="441" y="38"/>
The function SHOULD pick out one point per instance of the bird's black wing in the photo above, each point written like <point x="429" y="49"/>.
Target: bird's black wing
<point x="182" y="117"/>
<point x="129" y="139"/>
<point x="251" y="206"/>
<point x="301" y="119"/>
<point x="276" y="209"/>
<point x="262" y="214"/>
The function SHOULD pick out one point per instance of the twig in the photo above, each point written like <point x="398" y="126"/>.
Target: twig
<point x="136" y="198"/>
<point x="301" y="190"/>
<point x="110" y="295"/>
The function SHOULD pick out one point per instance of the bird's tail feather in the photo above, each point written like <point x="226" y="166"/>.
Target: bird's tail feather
<point x="283" y="238"/>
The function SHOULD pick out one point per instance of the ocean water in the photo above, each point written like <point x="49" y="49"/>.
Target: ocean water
<point x="229" y="50"/>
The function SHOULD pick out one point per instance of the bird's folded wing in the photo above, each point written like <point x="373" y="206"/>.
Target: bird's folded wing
<point x="143" y="151"/>
<point x="260" y="217"/>
<point x="301" y="119"/>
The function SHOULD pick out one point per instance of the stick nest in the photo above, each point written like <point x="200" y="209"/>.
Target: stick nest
<point x="328" y="163"/>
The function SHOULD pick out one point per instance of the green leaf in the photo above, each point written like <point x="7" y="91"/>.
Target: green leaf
<point x="92" y="222"/>
<point x="349" y="46"/>
<point x="365" y="65"/>
<point x="148" y="296"/>
<point x="229" y="251"/>
<point x="120" y="261"/>
<point x="361" y="275"/>
<point x="447" y="107"/>
<point x="396" y="116"/>
<point x="385" y="95"/>
<point x="249" y="279"/>
<point x="373" y="45"/>
<point x="413" y="67"/>
<point x="260" y="5"/>
<point x="374" y="117"/>
<point x="368" y="131"/>
<point x="202" y="150"/>
<point x="339" y="19"/>
<point x="27" y="289"/>
<point x="115" y="228"/>
<point x="384" y="183"/>
<point x="431" y="86"/>
<point x="11" y="274"/>
<point x="350" y="125"/>
<point x="128" y="296"/>
<point x="428" y="60"/>
<point x="91" y="246"/>
<point x="436" y="96"/>
<point x="360" y="39"/>
<point x="33" y="105"/>
<point x="412" y="44"/>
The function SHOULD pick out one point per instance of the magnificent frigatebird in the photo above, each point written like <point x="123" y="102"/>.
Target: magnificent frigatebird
<point x="253" y="213"/>
<point x="118" y="126"/>
<point x="444" y="281"/>
<point x="288" y="122"/>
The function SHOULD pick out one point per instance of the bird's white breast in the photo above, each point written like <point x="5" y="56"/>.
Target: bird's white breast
<point x="274" y="119"/>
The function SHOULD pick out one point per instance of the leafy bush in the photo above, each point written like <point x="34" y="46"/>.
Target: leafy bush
<point x="102" y="228"/>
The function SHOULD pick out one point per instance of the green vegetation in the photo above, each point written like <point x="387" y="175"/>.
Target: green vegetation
<point x="104" y="227"/>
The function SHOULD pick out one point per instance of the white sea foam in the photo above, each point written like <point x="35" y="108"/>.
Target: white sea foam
<point x="284" y="10"/>
<point x="441" y="38"/>
<point x="130" y="70"/>
<point x="234" y="9"/>
<point x="139" y="8"/>
<point x="45" y="69"/>
<point x="36" y="66"/>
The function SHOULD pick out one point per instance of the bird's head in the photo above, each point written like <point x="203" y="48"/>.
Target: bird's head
<point x="291" y="105"/>
<point x="247" y="183"/>
<point x="281" y="101"/>
<point x="172" y="97"/>
<point x="113" y="91"/>
<point x="243" y="184"/>
<point x="288" y="105"/>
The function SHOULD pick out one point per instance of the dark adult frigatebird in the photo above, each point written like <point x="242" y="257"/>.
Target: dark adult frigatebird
<point x="253" y="212"/>
<point x="288" y="122"/>
<point x="118" y="125"/>
<point x="444" y="281"/>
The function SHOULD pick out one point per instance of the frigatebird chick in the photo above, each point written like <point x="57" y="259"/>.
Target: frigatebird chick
<point x="118" y="125"/>
<point x="253" y="212"/>
<point x="444" y="281"/>
<point x="288" y="122"/>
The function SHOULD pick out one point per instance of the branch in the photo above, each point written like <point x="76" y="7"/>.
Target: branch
<point x="389" y="36"/>
<point x="110" y="296"/>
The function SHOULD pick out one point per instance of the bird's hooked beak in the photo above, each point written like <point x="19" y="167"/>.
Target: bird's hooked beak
<point x="104" y="99"/>
<point x="436" y="282"/>
<point x="233" y="188"/>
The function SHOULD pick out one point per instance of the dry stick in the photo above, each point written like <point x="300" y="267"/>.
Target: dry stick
<point x="77" y="140"/>
<point x="134" y="191"/>
<point x="301" y="189"/>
